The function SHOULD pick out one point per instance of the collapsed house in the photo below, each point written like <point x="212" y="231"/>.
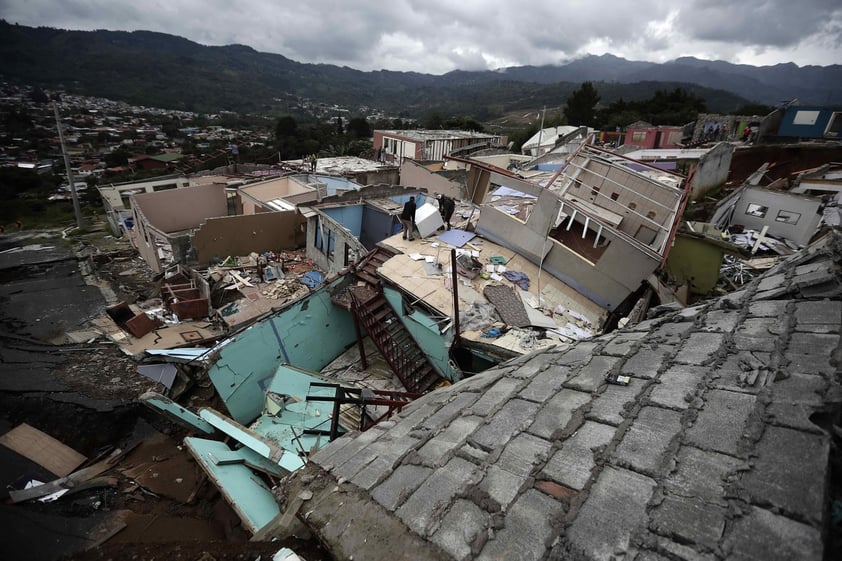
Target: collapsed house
<point x="788" y="207"/>
<point x="709" y="166"/>
<point x="116" y="198"/>
<point x="599" y="226"/>
<point x="676" y="438"/>
<point x="437" y="309"/>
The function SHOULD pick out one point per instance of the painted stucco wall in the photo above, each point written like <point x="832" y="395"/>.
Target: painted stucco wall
<point x="695" y="262"/>
<point x="241" y="235"/>
<point x="421" y="327"/>
<point x="806" y="121"/>
<point x="412" y="173"/>
<point x="144" y="240"/>
<point x="345" y="249"/>
<point x="776" y="205"/>
<point x="377" y="226"/>
<point x="182" y="209"/>
<point x="309" y="335"/>
<point x="712" y="170"/>
<point x="349" y="216"/>
<point x="263" y="191"/>
<point x="527" y="238"/>
<point x="620" y="269"/>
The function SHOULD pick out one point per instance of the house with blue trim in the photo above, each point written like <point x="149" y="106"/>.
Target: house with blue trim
<point x="812" y="121"/>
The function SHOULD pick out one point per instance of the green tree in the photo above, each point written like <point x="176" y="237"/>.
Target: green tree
<point x="754" y="109"/>
<point x="581" y="106"/>
<point x="358" y="127"/>
<point x="434" y="120"/>
<point x="286" y="126"/>
<point x="118" y="157"/>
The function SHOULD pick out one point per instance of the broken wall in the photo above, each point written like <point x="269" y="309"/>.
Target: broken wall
<point x="713" y="169"/>
<point x="785" y="159"/>
<point x="330" y="245"/>
<point x="619" y="270"/>
<point x="145" y="241"/>
<point x="377" y="226"/>
<point x="253" y="195"/>
<point x="308" y="335"/>
<point x="642" y="202"/>
<point x="390" y="175"/>
<point x="695" y="262"/>
<point x="426" y="333"/>
<point x="413" y="173"/>
<point x="526" y="238"/>
<point x="182" y="209"/>
<point x="241" y="235"/>
<point x="789" y="216"/>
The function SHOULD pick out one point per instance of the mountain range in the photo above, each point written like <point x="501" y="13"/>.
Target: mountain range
<point x="157" y="69"/>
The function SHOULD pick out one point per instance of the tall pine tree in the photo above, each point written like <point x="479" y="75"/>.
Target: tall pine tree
<point x="581" y="106"/>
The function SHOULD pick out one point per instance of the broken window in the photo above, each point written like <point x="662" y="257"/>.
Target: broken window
<point x="318" y="241"/>
<point x="331" y="240"/>
<point x="758" y="211"/>
<point x="834" y="126"/>
<point x="231" y="200"/>
<point x="787" y="217"/>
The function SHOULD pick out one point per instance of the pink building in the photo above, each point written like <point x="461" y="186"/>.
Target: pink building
<point x="646" y="135"/>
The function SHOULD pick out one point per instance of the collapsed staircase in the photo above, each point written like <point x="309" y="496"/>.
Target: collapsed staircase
<point x="385" y="329"/>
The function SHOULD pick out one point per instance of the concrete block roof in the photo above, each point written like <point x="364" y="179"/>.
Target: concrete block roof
<point x="718" y="448"/>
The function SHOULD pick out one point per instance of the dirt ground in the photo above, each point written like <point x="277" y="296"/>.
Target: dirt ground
<point x="154" y="502"/>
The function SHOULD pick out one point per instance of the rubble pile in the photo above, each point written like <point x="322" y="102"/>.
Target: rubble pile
<point x="283" y="288"/>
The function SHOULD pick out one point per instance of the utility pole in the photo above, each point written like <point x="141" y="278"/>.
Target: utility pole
<point x="541" y="131"/>
<point x="73" y="195"/>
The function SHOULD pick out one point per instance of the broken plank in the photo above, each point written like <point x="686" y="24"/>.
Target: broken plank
<point x="242" y="280"/>
<point x="71" y="481"/>
<point x="51" y="454"/>
<point x="109" y="527"/>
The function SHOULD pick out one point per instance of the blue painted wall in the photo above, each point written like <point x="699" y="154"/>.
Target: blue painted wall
<point x="816" y="130"/>
<point x="377" y="226"/>
<point x="309" y="335"/>
<point x="349" y="216"/>
<point x="426" y="333"/>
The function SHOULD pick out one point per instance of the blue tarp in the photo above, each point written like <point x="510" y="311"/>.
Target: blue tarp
<point x="312" y="279"/>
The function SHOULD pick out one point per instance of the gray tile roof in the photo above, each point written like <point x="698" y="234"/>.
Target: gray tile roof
<point x="712" y="451"/>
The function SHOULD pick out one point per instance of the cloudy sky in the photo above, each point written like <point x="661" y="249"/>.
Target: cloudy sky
<point x="436" y="36"/>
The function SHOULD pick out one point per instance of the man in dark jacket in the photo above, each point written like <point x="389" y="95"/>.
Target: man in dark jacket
<point x="446" y="208"/>
<point x="408" y="218"/>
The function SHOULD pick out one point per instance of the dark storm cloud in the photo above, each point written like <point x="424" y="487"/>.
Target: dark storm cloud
<point x="759" y="22"/>
<point x="436" y="36"/>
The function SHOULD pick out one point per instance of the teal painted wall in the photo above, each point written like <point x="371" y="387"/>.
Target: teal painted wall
<point x="349" y="216"/>
<point x="425" y="332"/>
<point x="310" y="334"/>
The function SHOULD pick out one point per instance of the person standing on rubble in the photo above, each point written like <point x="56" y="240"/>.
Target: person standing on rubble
<point x="408" y="219"/>
<point x="446" y="208"/>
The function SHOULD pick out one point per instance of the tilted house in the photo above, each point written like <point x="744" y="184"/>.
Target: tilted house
<point x="598" y="225"/>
